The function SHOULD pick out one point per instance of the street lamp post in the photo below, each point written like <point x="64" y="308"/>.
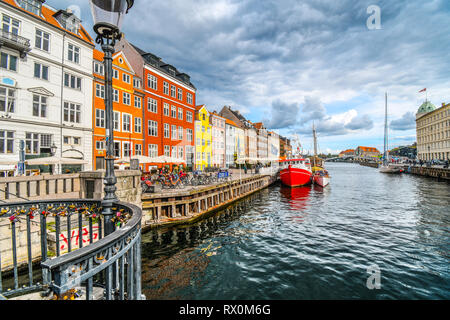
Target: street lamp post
<point x="108" y="16"/>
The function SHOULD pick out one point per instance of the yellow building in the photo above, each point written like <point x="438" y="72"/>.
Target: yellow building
<point x="203" y="138"/>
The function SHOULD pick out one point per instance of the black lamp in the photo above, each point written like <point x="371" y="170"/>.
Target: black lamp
<point x="108" y="18"/>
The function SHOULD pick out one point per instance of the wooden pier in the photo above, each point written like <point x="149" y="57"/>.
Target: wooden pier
<point x="172" y="207"/>
<point x="440" y="173"/>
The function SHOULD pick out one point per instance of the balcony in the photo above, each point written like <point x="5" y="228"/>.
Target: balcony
<point x="55" y="250"/>
<point x="16" y="42"/>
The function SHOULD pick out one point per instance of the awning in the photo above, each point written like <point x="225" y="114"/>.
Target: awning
<point x="165" y="159"/>
<point x="142" y="159"/>
<point x="54" y="160"/>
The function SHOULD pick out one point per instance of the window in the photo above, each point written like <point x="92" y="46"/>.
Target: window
<point x="8" y="61"/>
<point x="173" y="91"/>
<point x="126" y="78"/>
<point x="180" y="114"/>
<point x="116" y="120"/>
<point x="166" y="88"/>
<point x="138" y="149"/>
<point x="10" y="25"/>
<point x="100" y="90"/>
<point x="6" y="141"/>
<point x="126" y="122"/>
<point x="39" y="106"/>
<point x="73" y="53"/>
<point x="174" y="151"/>
<point x="117" y="149"/>
<point x="180" y="152"/>
<point x="72" y="81"/>
<point x="76" y="141"/>
<point x="99" y="68"/>
<point x="115" y="95"/>
<point x="180" y="133"/>
<point x="153" y="128"/>
<point x="167" y="151"/>
<point x="189" y="135"/>
<point x="137" y="102"/>
<point x="46" y="140"/>
<point x="40" y="71"/>
<point x="100" y="118"/>
<point x="126" y="98"/>
<point x="189" y="97"/>
<point x="174" y="112"/>
<point x="152" y="105"/>
<point x="180" y="94"/>
<point x="42" y="40"/>
<point x="166" y="130"/>
<point x="174" y="132"/>
<point x="137" y="83"/>
<point x="100" y="145"/>
<point x="126" y="149"/>
<point x="189" y="116"/>
<point x="32" y="143"/>
<point x="137" y="125"/>
<point x="115" y="74"/>
<point x="72" y="112"/>
<point x="7" y="99"/>
<point x="152" y="150"/>
<point x="166" y="109"/>
<point x="152" y="82"/>
<point x="33" y="6"/>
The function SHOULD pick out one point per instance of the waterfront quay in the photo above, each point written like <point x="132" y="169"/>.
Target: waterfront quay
<point x="187" y="205"/>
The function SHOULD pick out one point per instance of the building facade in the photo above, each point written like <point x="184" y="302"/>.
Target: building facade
<point x="218" y="140"/>
<point x="128" y="98"/>
<point x="230" y="143"/>
<point x="262" y="140"/>
<point x="251" y="141"/>
<point x="347" y="153"/>
<point x="203" y="138"/>
<point x="240" y="142"/>
<point x="285" y="147"/>
<point x="169" y="105"/>
<point x="366" y="152"/>
<point x="433" y="132"/>
<point x="45" y="83"/>
<point x="273" y="145"/>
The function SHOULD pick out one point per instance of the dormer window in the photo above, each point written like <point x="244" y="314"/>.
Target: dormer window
<point x="33" y="6"/>
<point x="68" y="20"/>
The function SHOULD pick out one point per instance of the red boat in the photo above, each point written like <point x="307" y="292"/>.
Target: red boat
<point x="296" y="173"/>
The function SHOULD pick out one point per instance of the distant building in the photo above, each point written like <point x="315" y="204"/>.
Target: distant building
<point x="273" y="145"/>
<point x="218" y="140"/>
<point x="405" y="151"/>
<point x="347" y="153"/>
<point x="366" y="152"/>
<point x="285" y="147"/>
<point x="433" y="132"/>
<point x="203" y="138"/>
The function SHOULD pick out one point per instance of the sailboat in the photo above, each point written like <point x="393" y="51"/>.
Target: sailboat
<point x="320" y="175"/>
<point x="387" y="167"/>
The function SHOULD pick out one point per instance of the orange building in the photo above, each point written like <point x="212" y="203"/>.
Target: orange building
<point x="128" y="106"/>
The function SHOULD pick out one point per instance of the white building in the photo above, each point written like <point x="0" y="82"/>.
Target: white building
<point x="230" y="142"/>
<point x="273" y="145"/>
<point x="45" y="82"/>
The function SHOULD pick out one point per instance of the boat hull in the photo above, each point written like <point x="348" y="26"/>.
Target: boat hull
<point x="389" y="169"/>
<point x="295" y="177"/>
<point x="322" y="181"/>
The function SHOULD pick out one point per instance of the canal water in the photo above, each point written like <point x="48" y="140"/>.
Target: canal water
<point x="365" y="230"/>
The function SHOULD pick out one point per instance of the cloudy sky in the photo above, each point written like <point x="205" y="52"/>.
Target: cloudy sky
<point x="292" y="63"/>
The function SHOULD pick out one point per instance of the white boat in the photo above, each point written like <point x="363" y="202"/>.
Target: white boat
<point x="387" y="167"/>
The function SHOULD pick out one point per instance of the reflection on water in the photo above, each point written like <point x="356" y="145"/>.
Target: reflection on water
<point x="311" y="243"/>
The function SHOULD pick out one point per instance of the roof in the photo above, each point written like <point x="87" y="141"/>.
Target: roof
<point x="231" y="123"/>
<point x="258" y="125"/>
<point x="156" y="62"/>
<point x="48" y="16"/>
<point x="98" y="55"/>
<point x="368" y="149"/>
<point x="348" y="151"/>
<point x="426" y="107"/>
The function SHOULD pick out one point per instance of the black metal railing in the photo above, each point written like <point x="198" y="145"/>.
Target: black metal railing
<point x="19" y="40"/>
<point x="66" y="236"/>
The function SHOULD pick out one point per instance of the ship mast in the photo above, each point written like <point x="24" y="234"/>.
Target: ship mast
<point x="386" y="152"/>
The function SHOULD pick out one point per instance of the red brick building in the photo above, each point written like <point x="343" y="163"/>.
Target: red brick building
<point x="169" y="105"/>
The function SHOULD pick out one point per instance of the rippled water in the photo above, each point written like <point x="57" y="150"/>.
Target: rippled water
<point x="312" y="243"/>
